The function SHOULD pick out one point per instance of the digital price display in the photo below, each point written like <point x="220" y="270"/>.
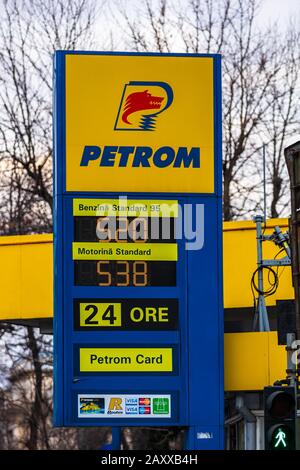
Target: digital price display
<point x="125" y="273"/>
<point x="124" y="229"/>
<point x="122" y="272"/>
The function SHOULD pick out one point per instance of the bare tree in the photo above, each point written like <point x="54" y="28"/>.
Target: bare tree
<point x="282" y="121"/>
<point x="26" y="361"/>
<point x="30" y="32"/>
<point x="254" y="83"/>
<point x="260" y="80"/>
<point x="26" y="392"/>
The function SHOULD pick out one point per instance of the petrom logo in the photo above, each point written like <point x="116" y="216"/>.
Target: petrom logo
<point x="140" y="105"/>
<point x="124" y="156"/>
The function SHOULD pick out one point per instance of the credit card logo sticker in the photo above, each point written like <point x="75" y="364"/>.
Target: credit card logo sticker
<point x="161" y="406"/>
<point x="144" y="401"/>
<point x="131" y="401"/>
<point x="141" y="103"/>
<point x="115" y="406"/>
<point x="131" y="410"/>
<point x="145" y="410"/>
<point x="124" y="406"/>
<point x="91" y="406"/>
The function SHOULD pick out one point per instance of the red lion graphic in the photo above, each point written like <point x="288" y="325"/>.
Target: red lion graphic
<point x="139" y="101"/>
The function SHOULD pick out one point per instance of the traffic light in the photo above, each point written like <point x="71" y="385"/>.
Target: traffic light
<point x="292" y="158"/>
<point x="280" y="407"/>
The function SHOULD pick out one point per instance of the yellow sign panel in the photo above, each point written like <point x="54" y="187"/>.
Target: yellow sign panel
<point x="139" y="123"/>
<point x="100" y="314"/>
<point x="125" y="251"/>
<point x="125" y="360"/>
<point x="125" y="207"/>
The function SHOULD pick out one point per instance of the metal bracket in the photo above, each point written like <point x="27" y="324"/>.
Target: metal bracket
<point x="286" y="261"/>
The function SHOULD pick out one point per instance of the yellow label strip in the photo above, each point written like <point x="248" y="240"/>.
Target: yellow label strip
<point x="125" y="251"/>
<point x="125" y="360"/>
<point x="113" y="316"/>
<point x="125" y="207"/>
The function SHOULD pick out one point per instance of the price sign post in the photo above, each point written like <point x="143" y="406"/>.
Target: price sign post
<point x="138" y="255"/>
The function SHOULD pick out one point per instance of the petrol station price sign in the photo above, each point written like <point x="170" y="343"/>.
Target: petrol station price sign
<point x="138" y="301"/>
<point x="139" y="250"/>
<point x="128" y="250"/>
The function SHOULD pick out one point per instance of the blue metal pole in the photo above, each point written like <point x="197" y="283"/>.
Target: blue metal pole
<point x="204" y="438"/>
<point x="116" y="438"/>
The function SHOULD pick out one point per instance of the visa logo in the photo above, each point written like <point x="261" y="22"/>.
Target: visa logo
<point x="146" y="157"/>
<point x="131" y="410"/>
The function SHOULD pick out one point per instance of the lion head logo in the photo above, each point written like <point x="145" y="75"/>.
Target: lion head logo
<point x="141" y="103"/>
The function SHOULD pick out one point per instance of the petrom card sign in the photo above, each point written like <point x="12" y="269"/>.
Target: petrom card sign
<point x="139" y="123"/>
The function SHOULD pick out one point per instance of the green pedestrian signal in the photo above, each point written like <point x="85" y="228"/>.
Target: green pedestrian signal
<point x="281" y="439"/>
<point x="280" y="418"/>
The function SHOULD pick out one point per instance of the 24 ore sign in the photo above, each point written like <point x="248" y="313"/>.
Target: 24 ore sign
<point x="138" y="254"/>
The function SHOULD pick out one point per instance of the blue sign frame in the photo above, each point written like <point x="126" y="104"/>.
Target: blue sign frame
<point x="196" y="385"/>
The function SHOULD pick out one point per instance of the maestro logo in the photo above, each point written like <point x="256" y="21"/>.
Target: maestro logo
<point x="141" y="104"/>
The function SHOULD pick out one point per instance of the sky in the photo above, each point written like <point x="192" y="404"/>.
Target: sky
<point x="270" y="11"/>
<point x="280" y="10"/>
